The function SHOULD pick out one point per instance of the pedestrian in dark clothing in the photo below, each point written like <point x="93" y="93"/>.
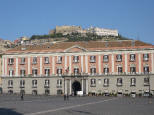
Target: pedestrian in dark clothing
<point x="67" y="97"/>
<point x="64" y="97"/>
<point x="22" y="96"/>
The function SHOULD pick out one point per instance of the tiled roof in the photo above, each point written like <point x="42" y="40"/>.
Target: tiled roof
<point x="91" y="45"/>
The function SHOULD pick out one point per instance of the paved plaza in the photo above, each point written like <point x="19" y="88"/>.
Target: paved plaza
<point x="55" y="105"/>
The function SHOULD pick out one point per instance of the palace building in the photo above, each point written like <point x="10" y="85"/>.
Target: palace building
<point x="117" y="67"/>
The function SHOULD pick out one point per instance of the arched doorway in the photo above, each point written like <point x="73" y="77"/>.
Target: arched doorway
<point x="76" y="86"/>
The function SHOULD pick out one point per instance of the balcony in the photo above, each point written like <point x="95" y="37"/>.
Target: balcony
<point x="59" y="86"/>
<point x="92" y="61"/>
<point x="10" y="63"/>
<point x="46" y="62"/>
<point x="93" y="85"/>
<point x="46" y="86"/>
<point x="59" y="62"/>
<point x="119" y="84"/>
<point x="75" y="61"/>
<point x="106" y="85"/>
<point x="34" y="62"/>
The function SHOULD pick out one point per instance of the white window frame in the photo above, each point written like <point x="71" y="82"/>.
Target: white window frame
<point x="46" y="60"/>
<point x="47" y="72"/>
<point x="59" y="59"/>
<point x="93" y="59"/>
<point x="34" y="83"/>
<point x="105" y="58"/>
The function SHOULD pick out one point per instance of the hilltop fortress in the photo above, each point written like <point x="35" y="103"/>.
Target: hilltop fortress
<point x="78" y="29"/>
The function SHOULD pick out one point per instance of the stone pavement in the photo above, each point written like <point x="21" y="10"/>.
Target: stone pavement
<point x="55" y="105"/>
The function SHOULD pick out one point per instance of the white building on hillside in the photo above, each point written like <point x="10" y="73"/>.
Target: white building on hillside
<point x="102" y="31"/>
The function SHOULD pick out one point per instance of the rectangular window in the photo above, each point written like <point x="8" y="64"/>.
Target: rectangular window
<point x="92" y="59"/>
<point x="76" y="71"/>
<point x="133" y="82"/>
<point x="76" y="59"/>
<point x="132" y="70"/>
<point x="59" y="72"/>
<point x="11" y="61"/>
<point x="59" y="59"/>
<point x="119" y="57"/>
<point x="132" y="57"/>
<point x="92" y="71"/>
<point x="22" y="83"/>
<point x="119" y="69"/>
<point x="93" y="83"/>
<point x="46" y="83"/>
<point x="22" y="73"/>
<point x="34" y="60"/>
<point x="119" y="81"/>
<point x="46" y="60"/>
<point x="146" y="82"/>
<point x="11" y="73"/>
<point x="106" y="82"/>
<point x="106" y="70"/>
<point x="146" y="69"/>
<point x="59" y="83"/>
<point x="10" y="84"/>
<point x="145" y="57"/>
<point x="105" y="58"/>
<point x="34" y="72"/>
<point x="34" y="83"/>
<point x="47" y="72"/>
<point x="22" y="61"/>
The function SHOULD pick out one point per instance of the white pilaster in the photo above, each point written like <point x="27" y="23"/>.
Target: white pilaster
<point x="16" y="67"/>
<point x="53" y="64"/>
<point x="70" y="65"/>
<point x="112" y="63"/>
<point x="28" y="65"/>
<point x="40" y="65"/>
<point x="152" y="62"/>
<point x="86" y="63"/>
<point x="139" y="62"/>
<point x="5" y="66"/>
<point x="82" y="63"/>
<point x="65" y="62"/>
<point x="126" y="69"/>
<point x="99" y="64"/>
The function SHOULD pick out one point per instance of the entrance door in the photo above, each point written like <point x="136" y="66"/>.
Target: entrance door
<point x="76" y="86"/>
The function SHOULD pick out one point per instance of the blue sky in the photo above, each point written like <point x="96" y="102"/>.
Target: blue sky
<point x="132" y="18"/>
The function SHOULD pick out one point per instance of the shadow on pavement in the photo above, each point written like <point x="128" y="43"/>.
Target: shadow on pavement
<point x="4" y="111"/>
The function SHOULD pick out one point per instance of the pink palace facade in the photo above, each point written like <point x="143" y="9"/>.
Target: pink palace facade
<point x="117" y="67"/>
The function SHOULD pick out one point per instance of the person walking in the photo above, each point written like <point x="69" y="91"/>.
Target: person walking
<point x="22" y="96"/>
